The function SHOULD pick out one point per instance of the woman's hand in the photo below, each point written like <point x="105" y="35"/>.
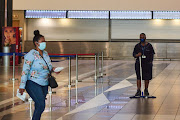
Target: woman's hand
<point x="56" y="72"/>
<point x="21" y="91"/>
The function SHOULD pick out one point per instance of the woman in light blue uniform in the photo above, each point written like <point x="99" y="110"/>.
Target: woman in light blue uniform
<point x="35" y="74"/>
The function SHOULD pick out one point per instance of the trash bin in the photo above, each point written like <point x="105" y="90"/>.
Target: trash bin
<point x="6" y="58"/>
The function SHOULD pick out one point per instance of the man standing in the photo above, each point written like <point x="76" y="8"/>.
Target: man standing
<point x="144" y="50"/>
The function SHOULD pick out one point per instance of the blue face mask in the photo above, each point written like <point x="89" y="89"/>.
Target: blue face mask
<point x="142" y="40"/>
<point x="42" y="45"/>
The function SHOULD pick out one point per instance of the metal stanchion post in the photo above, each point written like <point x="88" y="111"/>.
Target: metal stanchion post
<point x="69" y="82"/>
<point x="6" y="57"/>
<point x="95" y="89"/>
<point x="50" y="99"/>
<point x="102" y="60"/>
<point x="76" y="79"/>
<point x="14" y="55"/>
<point x="77" y="69"/>
<point x="102" y="85"/>
<point x="69" y="85"/>
<point x="98" y="65"/>
<point x="13" y="79"/>
<point x="13" y="91"/>
<point x="50" y="115"/>
<point x="95" y="76"/>
<point x="30" y="103"/>
<point x="69" y="99"/>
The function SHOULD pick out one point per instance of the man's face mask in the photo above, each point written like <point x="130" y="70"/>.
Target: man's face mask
<point x="142" y="40"/>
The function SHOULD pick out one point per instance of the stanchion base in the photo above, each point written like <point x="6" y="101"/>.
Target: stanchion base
<point x="98" y="76"/>
<point x="74" y="81"/>
<point x="50" y="108"/>
<point x="69" y="86"/>
<point x="103" y="74"/>
<point x="30" y="99"/>
<point x="142" y="97"/>
<point x="13" y="79"/>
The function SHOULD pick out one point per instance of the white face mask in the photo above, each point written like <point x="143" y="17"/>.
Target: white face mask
<point x="42" y="45"/>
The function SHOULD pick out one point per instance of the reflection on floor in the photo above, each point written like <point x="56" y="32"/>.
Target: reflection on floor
<point x="108" y="99"/>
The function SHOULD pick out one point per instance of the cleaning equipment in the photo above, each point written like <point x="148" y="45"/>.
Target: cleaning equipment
<point x="142" y="94"/>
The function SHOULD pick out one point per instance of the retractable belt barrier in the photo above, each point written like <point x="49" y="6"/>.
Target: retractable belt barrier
<point x="68" y="56"/>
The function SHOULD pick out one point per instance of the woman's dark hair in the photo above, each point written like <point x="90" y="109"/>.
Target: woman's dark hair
<point x="37" y="36"/>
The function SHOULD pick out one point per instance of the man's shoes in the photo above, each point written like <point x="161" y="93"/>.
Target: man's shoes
<point x="138" y="93"/>
<point x="146" y="93"/>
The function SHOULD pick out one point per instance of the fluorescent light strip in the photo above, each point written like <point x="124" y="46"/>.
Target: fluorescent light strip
<point x="89" y="14"/>
<point x="130" y="15"/>
<point x="45" y="14"/>
<point x="166" y="15"/>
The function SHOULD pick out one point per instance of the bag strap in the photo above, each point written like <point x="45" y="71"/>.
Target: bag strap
<point x="46" y="64"/>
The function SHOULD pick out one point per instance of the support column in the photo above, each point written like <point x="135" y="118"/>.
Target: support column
<point x="2" y="20"/>
<point x="9" y="12"/>
<point x="6" y="11"/>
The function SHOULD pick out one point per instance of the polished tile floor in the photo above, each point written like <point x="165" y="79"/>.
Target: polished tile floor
<point x="108" y="99"/>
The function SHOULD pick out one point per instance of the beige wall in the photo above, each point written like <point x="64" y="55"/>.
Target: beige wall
<point x="97" y="30"/>
<point x="96" y="4"/>
<point x="69" y="29"/>
<point x="154" y="29"/>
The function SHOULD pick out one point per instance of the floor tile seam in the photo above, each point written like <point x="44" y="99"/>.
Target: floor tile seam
<point x="162" y="102"/>
<point x="178" y="105"/>
<point x="89" y="74"/>
<point x="125" y="105"/>
<point x="162" y="72"/>
<point x="8" y="100"/>
<point x="163" y="80"/>
<point x="121" y="108"/>
<point x="109" y="103"/>
<point x="13" y="109"/>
